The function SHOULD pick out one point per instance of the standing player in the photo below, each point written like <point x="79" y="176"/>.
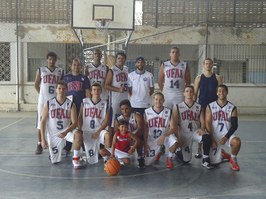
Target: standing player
<point x="221" y="123"/>
<point x="59" y="118"/>
<point x="116" y="82"/>
<point x="96" y="72"/>
<point x="135" y="121"/>
<point x="45" y="84"/>
<point x="121" y="144"/>
<point x="92" y="122"/>
<point x="78" y="87"/>
<point x="173" y="76"/>
<point x="159" y="129"/>
<point x="192" y="129"/>
<point x="205" y="86"/>
<point x="140" y="86"/>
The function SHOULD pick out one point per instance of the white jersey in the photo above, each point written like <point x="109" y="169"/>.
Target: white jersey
<point x="221" y="118"/>
<point x="98" y="74"/>
<point x="141" y="84"/>
<point x="189" y="117"/>
<point x="174" y="82"/>
<point x="158" y="123"/>
<point x="93" y="114"/>
<point x="59" y="116"/>
<point x="120" y="78"/>
<point x="132" y="123"/>
<point x="48" y="83"/>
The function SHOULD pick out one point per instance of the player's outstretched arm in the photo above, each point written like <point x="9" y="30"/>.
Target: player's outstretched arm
<point x="37" y="81"/>
<point x="196" y="87"/>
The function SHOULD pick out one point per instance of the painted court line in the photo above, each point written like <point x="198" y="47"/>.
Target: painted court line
<point x="11" y="124"/>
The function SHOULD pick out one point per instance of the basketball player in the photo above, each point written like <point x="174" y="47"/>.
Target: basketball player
<point x="78" y="87"/>
<point x="121" y="144"/>
<point x="205" y="86"/>
<point x="92" y="122"/>
<point x="45" y="84"/>
<point x="116" y="82"/>
<point x="191" y="128"/>
<point x="135" y="121"/>
<point x="221" y="123"/>
<point x="174" y="74"/>
<point x="140" y="87"/>
<point x="59" y="118"/>
<point x="96" y="72"/>
<point x="159" y="129"/>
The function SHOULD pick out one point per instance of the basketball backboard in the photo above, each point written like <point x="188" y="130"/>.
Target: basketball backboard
<point x="116" y="14"/>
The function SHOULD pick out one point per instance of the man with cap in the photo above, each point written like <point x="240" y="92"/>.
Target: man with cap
<point x="140" y="87"/>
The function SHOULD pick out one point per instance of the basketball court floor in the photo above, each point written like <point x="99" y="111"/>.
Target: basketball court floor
<point x="26" y="175"/>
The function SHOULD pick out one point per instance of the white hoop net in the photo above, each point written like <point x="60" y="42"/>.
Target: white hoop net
<point x="102" y="25"/>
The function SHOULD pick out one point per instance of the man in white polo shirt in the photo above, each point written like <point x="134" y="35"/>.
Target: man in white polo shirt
<point x="140" y="87"/>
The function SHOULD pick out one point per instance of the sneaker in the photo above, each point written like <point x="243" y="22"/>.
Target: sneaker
<point x="78" y="163"/>
<point x="141" y="162"/>
<point x="206" y="163"/>
<point x="39" y="149"/>
<point x="121" y="162"/>
<point x="199" y="154"/>
<point x="162" y="150"/>
<point x="179" y="157"/>
<point x="225" y="156"/>
<point x="157" y="158"/>
<point x="169" y="163"/>
<point x="234" y="164"/>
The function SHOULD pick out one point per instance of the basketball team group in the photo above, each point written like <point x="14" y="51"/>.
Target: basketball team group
<point x="110" y="113"/>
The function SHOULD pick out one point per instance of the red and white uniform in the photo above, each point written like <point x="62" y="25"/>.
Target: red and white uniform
<point x="48" y="83"/>
<point x="132" y="123"/>
<point x="174" y="83"/>
<point x="158" y="124"/>
<point x="189" y="121"/>
<point x="98" y="74"/>
<point x="93" y="117"/>
<point x="120" y="78"/>
<point x="59" y="119"/>
<point x="221" y="123"/>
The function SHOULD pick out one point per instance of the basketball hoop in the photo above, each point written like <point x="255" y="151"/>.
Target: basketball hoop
<point x="102" y="24"/>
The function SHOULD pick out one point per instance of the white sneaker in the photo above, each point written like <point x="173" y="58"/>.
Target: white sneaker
<point x="78" y="163"/>
<point x="206" y="163"/>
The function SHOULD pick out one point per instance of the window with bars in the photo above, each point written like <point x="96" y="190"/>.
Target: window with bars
<point x="5" y="69"/>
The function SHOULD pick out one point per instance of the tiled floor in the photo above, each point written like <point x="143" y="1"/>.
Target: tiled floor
<point x="26" y="175"/>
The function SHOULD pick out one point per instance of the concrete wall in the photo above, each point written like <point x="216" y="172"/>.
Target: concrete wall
<point x="248" y="97"/>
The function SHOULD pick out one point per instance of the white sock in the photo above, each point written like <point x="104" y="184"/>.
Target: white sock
<point x="39" y="143"/>
<point x="105" y="158"/>
<point x="205" y="156"/>
<point x="76" y="153"/>
<point x="233" y="156"/>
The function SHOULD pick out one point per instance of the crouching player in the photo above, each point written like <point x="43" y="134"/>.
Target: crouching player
<point x="191" y="128"/>
<point x="159" y="130"/>
<point x="59" y="119"/>
<point x="221" y="123"/>
<point x="92" y="122"/>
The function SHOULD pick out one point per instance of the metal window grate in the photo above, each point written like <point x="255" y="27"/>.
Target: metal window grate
<point x="5" y="72"/>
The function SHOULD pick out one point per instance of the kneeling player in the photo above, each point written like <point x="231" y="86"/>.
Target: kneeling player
<point x="59" y="118"/>
<point x="191" y="128"/>
<point x="221" y="123"/>
<point x="92" y="122"/>
<point x="159" y="130"/>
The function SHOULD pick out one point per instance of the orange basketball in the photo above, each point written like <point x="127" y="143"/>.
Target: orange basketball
<point x="112" y="167"/>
